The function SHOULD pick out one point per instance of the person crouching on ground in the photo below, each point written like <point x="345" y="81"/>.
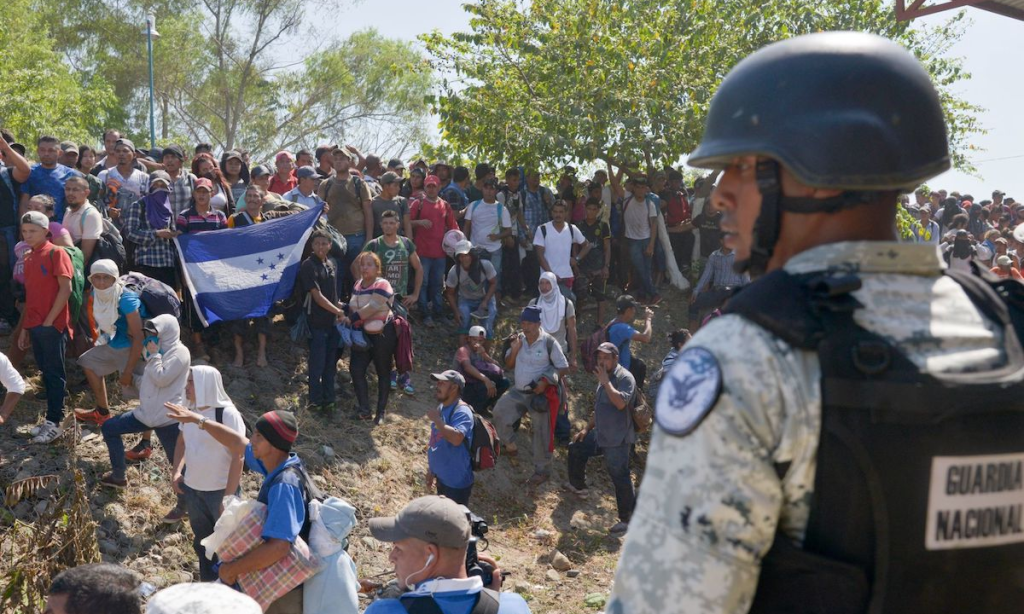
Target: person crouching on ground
<point x="205" y="470"/>
<point x="431" y="536"/>
<point x="451" y="434"/>
<point x="118" y="314"/>
<point x="163" y="381"/>
<point x="286" y="491"/>
<point x="485" y="379"/>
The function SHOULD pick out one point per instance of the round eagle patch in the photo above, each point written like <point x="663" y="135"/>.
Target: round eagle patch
<point x="689" y="392"/>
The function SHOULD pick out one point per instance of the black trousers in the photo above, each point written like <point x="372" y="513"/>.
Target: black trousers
<point x="511" y="272"/>
<point x="530" y="269"/>
<point x="381" y="352"/>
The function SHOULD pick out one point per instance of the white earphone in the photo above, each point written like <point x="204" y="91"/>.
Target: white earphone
<point x="430" y="559"/>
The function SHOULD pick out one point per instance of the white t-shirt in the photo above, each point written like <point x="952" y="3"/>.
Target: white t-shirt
<point x="637" y="217"/>
<point x="9" y="376"/>
<point x="485" y="222"/>
<point x="85" y="223"/>
<point x="131" y="188"/>
<point x="219" y="201"/>
<point x="207" y="462"/>
<point x="558" y="246"/>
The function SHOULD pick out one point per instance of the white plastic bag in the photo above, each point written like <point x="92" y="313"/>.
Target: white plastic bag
<point x="235" y="510"/>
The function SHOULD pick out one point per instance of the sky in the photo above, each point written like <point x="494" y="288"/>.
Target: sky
<point x="988" y="47"/>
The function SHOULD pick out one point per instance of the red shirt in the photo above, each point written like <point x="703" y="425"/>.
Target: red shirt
<point x="428" y="240"/>
<point x="280" y="187"/>
<point x="43" y="266"/>
<point x="677" y="209"/>
<point x="1013" y="272"/>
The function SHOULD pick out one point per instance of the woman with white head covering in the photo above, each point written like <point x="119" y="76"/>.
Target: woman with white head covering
<point x="204" y="470"/>
<point x="557" y="316"/>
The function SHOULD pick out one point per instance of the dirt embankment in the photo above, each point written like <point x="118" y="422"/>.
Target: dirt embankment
<point x="377" y="469"/>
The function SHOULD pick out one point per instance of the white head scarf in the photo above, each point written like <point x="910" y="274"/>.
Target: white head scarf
<point x="105" y="302"/>
<point x="202" y="598"/>
<point x="552" y="305"/>
<point x="209" y="388"/>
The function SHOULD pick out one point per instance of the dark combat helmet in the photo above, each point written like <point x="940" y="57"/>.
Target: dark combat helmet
<point x="842" y="110"/>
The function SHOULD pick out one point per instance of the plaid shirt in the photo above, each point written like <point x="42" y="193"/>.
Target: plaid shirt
<point x="151" y="250"/>
<point x="720" y="273"/>
<point x="535" y="211"/>
<point x="269" y="584"/>
<point x="181" y="191"/>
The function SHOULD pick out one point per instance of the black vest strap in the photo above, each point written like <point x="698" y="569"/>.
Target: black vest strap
<point x="486" y="603"/>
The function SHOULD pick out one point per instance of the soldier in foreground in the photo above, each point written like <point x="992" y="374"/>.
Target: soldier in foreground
<point x="846" y="439"/>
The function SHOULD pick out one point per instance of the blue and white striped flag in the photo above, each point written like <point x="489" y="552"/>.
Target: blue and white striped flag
<point x="239" y="273"/>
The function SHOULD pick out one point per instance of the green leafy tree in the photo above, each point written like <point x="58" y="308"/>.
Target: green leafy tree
<point x="39" y="92"/>
<point x="552" y="81"/>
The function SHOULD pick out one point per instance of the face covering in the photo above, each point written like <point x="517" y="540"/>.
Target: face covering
<point x="146" y="354"/>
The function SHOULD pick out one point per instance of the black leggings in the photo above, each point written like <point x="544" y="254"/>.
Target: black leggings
<point x="382" y="353"/>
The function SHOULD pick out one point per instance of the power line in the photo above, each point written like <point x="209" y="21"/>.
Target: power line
<point x="1004" y="158"/>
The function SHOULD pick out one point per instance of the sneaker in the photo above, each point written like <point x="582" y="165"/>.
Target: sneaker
<point x="174" y="516"/>
<point x="111" y="482"/>
<point x="618" y="528"/>
<point x="429" y="322"/>
<point x="141" y="451"/>
<point x="582" y="493"/>
<point x="91" y="416"/>
<point x="537" y="479"/>
<point x="47" y="432"/>
<point x="328" y="408"/>
<point x="394" y="380"/>
<point x="407" y="387"/>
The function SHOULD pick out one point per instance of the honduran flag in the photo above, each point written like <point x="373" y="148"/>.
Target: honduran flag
<point x="239" y="273"/>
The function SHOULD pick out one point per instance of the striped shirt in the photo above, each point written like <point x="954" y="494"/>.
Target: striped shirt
<point x="364" y="295"/>
<point x="192" y="221"/>
<point x="719" y="272"/>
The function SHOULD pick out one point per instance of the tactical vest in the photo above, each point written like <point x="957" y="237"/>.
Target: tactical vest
<point x="918" y="495"/>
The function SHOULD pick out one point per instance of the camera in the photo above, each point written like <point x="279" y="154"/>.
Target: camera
<point x="477" y="541"/>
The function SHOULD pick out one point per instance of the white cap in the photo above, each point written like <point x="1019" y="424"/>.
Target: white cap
<point x="463" y="247"/>
<point x="477" y="331"/>
<point x="202" y="598"/>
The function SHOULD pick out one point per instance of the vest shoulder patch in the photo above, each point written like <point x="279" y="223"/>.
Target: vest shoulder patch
<point x="689" y="392"/>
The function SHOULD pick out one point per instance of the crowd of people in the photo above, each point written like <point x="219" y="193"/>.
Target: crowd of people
<point x="426" y="245"/>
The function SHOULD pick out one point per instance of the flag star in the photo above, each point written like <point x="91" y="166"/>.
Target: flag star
<point x="259" y="261"/>
<point x="273" y="266"/>
<point x="280" y="256"/>
<point x="265" y="277"/>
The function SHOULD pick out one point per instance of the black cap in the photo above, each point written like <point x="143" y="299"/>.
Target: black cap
<point x="395" y="163"/>
<point x="176" y="150"/>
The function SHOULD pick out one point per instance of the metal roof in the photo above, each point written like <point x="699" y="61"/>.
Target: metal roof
<point x="912" y="9"/>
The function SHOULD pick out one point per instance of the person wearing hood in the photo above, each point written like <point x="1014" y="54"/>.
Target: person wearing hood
<point x="163" y="381"/>
<point x="204" y="470"/>
<point x="149" y="228"/>
<point x="117" y="316"/>
<point x="236" y="173"/>
<point x="192" y="598"/>
<point x="286" y="491"/>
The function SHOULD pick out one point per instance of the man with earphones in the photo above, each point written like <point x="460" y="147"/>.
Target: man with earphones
<point x="430" y="537"/>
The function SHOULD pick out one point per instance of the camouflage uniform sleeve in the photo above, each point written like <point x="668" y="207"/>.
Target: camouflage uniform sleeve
<point x="711" y="500"/>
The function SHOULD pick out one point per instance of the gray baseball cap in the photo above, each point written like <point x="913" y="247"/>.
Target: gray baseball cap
<point x="433" y="519"/>
<point x="449" y="376"/>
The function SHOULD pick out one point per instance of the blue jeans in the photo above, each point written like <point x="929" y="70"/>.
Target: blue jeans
<point x="468" y="306"/>
<point x="49" y="346"/>
<point x="616" y="460"/>
<point x="354" y="245"/>
<point x="458" y="495"/>
<point x="125" y="424"/>
<point x="203" y="511"/>
<point x="642" y="265"/>
<point x="433" y="284"/>
<point x="323" y="364"/>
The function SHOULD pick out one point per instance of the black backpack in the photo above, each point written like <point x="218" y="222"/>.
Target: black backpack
<point x="158" y="297"/>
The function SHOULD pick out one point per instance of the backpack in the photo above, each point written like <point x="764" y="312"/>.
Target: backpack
<point x="110" y="246"/>
<point x="486" y="447"/>
<point x="640" y="411"/>
<point x="219" y="417"/>
<point x="487" y="603"/>
<point x="158" y="297"/>
<point x="588" y="347"/>
<point x="76" y="300"/>
<point x="501" y="208"/>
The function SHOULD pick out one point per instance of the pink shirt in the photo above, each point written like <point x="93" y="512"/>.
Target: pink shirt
<point x="363" y="296"/>
<point x="442" y="218"/>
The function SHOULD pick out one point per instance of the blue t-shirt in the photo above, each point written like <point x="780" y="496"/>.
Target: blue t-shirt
<point x="454" y="602"/>
<point x="286" y="510"/>
<point x="49" y="181"/>
<point x="621" y="334"/>
<point x="129" y="303"/>
<point x="451" y="464"/>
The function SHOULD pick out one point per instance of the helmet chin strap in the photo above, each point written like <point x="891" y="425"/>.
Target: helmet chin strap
<point x="766" y="228"/>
